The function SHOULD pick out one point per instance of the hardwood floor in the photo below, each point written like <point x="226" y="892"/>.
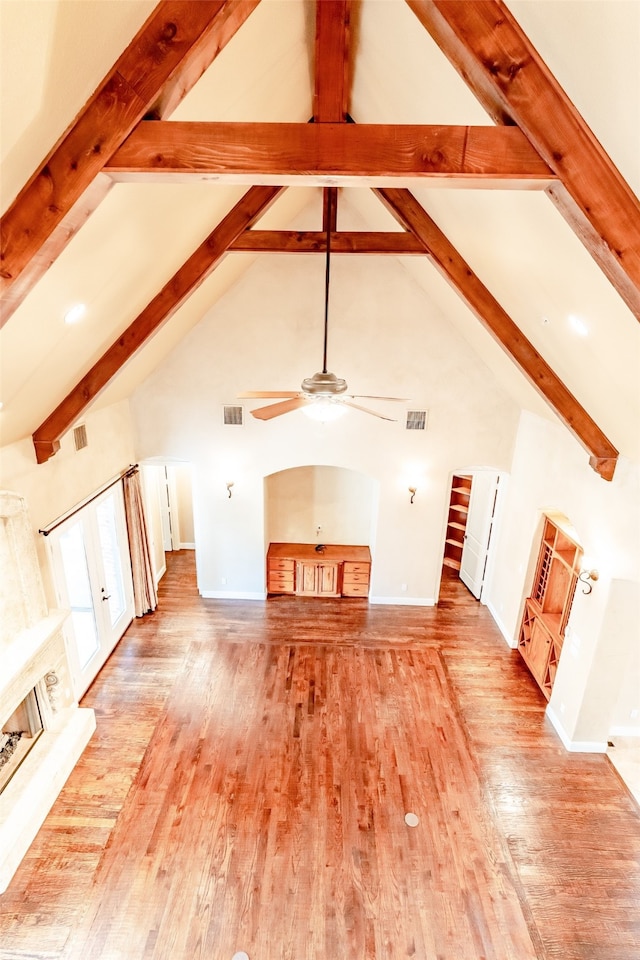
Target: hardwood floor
<point x="248" y="781"/>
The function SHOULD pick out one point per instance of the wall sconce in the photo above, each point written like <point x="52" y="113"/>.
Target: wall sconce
<point x="586" y="576"/>
<point x="229" y="486"/>
<point x="412" y="491"/>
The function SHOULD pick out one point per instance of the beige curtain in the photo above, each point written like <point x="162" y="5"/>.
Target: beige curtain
<point x="144" y="588"/>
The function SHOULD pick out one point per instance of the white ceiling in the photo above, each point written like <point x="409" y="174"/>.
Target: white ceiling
<point x="55" y="52"/>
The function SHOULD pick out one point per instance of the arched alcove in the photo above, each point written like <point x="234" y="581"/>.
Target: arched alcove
<point x="320" y="504"/>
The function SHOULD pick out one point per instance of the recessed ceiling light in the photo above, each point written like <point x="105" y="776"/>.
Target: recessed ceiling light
<point x="578" y="325"/>
<point x="75" y="314"/>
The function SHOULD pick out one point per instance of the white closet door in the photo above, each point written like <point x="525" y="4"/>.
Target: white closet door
<point x="482" y="503"/>
<point x="92" y="573"/>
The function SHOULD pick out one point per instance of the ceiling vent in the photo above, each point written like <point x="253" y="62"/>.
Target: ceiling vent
<point x="80" y="436"/>
<point x="233" y="416"/>
<point x="416" y="419"/>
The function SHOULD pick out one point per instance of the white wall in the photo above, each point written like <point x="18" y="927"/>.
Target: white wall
<point x="550" y="471"/>
<point x="319" y="505"/>
<point x="384" y="338"/>
<point x="54" y="487"/>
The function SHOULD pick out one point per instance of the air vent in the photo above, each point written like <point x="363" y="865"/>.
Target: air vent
<point x="416" y="419"/>
<point x="233" y="416"/>
<point x="80" y="436"/>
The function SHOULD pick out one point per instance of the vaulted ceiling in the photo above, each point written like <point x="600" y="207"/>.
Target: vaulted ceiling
<point x="439" y="119"/>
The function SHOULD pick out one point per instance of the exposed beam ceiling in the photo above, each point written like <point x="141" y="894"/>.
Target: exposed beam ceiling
<point x="191" y="274"/>
<point x="178" y="41"/>
<point x="315" y="241"/>
<point x="541" y="143"/>
<point x="341" y="153"/>
<point x="407" y="210"/>
<point x="488" y="48"/>
<point x="332" y="74"/>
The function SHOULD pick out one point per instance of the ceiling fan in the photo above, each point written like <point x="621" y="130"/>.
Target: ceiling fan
<point x="324" y="395"/>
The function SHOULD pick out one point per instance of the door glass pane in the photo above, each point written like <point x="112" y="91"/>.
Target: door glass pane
<point x="74" y="563"/>
<point x="113" y="587"/>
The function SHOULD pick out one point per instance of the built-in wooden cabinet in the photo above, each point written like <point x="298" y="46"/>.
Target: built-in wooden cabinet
<point x="315" y="579"/>
<point x="281" y="575"/>
<point x="334" y="571"/>
<point x="457" y="520"/>
<point x="355" y="578"/>
<point x="547" y="610"/>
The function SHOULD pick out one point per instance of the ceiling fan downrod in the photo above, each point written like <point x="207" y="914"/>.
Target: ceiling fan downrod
<point x="326" y="292"/>
<point x="325" y="384"/>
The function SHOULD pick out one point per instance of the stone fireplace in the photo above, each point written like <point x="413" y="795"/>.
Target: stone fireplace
<point x="36" y="699"/>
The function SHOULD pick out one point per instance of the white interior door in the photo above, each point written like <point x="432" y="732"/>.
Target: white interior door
<point x="482" y="505"/>
<point x="92" y="573"/>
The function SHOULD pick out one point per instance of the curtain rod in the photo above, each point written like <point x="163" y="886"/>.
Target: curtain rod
<point x="45" y="531"/>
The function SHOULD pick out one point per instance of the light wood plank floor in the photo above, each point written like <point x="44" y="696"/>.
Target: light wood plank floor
<point x="247" y="786"/>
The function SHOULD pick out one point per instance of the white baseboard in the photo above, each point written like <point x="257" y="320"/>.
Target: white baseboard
<point x="404" y="601"/>
<point x="231" y="595"/>
<point x="511" y="641"/>
<point x="160" y="574"/>
<point x="187" y="546"/>
<point x="624" y="732"/>
<point x="575" y="746"/>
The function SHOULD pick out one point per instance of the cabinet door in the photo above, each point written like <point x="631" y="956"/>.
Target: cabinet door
<point x="539" y="650"/>
<point x="327" y="579"/>
<point x="306" y="578"/>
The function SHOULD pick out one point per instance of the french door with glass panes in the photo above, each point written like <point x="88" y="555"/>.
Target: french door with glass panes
<point x="92" y="572"/>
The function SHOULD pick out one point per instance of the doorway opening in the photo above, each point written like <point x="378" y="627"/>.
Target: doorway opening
<point x="471" y="517"/>
<point x="168" y="499"/>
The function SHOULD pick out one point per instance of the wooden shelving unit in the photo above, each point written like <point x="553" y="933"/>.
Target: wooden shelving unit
<point x="457" y="520"/>
<point x="547" y="610"/>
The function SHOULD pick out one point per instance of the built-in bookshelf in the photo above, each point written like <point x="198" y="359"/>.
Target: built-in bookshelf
<point x="547" y="610"/>
<point x="457" y="520"/>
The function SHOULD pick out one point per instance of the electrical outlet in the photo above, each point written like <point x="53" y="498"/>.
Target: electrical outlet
<point x="223" y="581"/>
<point x="403" y="587"/>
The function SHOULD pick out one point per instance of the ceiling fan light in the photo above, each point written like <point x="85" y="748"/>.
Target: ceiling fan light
<point x="324" y="409"/>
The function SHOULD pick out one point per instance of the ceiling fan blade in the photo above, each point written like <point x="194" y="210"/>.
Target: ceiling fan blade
<point x="276" y="409"/>
<point x="367" y="396"/>
<point x="267" y="394"/>
<point x="356" y="406"/>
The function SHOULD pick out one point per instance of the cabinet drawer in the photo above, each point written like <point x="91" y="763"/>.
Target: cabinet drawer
<point x="352" y="566"/>
<point x="276" y="565"/>
<point x="356" y="577"/>
<point x="355" y="589"/>
<point x="280" y="581"/>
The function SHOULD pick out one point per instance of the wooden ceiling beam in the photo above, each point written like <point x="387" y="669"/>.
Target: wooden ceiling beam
<point x="491" y="52"/>
<point x="167" y="56"/>
<point x="406" y="209"/>
<point x="344" y="152"/>
<point x="332" y="76"/>
<point x="188" y="278"/>
<point x="388" y="243"/>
